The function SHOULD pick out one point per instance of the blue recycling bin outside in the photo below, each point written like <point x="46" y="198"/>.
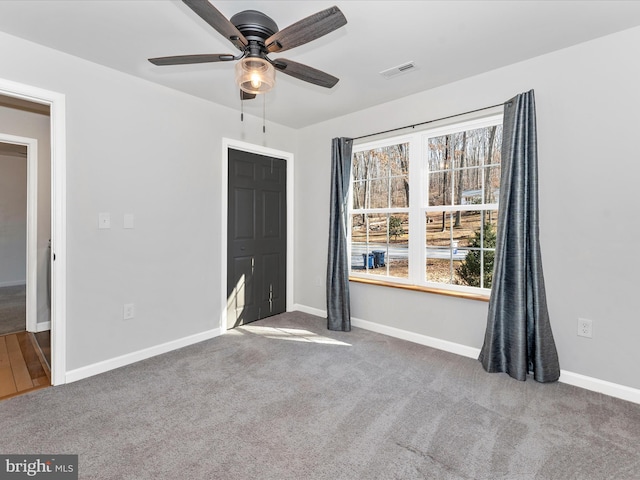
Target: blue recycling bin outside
<point x="369" y="263"/>
<point x="378" y="258"/>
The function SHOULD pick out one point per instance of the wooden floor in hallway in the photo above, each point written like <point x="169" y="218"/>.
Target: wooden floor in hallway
<point x="22" y="365"/>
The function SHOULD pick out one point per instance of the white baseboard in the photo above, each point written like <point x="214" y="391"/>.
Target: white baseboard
<point x="310" y="310"/>
<point x="12" y="283"/>
<point x="601" y="386"/>
<point x="129" y="358"/>
<point x="401" y="334"/>
<point x="425" y="340"/>
<point x="43" y="326"/>
<point x="588" y="383"/>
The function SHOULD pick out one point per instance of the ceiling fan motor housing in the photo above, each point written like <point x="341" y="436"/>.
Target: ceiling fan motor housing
<point x="254" y="25"/>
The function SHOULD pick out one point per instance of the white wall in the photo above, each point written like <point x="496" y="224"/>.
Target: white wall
<point x="13" y="220"/>
<point x="136" y="147"/>
<point x="587" y="104"/>
<point x="35" y="125"/>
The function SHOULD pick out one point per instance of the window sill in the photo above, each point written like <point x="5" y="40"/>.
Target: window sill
<point x="418" y="288"/>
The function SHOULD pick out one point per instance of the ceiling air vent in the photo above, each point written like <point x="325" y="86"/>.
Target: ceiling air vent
<point x="399" y="70"/>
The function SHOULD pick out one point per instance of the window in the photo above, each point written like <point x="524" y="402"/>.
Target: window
<point x="424" y="207"/>
<point x="380" y="219"/>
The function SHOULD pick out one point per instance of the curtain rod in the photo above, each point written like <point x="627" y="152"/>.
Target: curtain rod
<point x="429" y="121"/>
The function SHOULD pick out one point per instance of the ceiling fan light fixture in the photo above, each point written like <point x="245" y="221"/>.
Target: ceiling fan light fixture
<point x="255" y="75"/>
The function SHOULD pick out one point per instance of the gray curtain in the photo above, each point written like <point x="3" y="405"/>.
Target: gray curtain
<point x="518" y="339"/>
<point x="338" y="302"/>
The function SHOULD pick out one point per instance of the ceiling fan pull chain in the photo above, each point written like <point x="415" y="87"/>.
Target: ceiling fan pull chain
<point x="241" y="109"/>
<point x="264" y="112"/>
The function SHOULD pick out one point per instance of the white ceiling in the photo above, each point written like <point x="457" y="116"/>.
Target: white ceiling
<point x="447" y="40"/>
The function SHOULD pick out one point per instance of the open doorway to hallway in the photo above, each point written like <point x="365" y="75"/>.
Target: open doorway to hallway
<point x="13" y="237"/>
<point x="25" y="253"/>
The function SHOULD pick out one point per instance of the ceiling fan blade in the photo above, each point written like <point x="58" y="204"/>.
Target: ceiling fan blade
<point x="246" y="96"/>
<point x="218" y="21"/>
<point x="187" y="59"/>
<point x="305" y="73"/>
<point x="306" y="30"/>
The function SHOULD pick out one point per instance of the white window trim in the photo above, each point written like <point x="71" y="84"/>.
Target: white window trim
<point x="417" y="254"/>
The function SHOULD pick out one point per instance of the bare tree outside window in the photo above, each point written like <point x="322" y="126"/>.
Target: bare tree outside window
<point x="464" y="176"/>
<point x="453" y="179"/>
<point x="379" y="236"/>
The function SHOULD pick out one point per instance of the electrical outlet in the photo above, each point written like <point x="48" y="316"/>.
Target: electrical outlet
<point x="128" y="311"/>
<point x="585" y="328"/>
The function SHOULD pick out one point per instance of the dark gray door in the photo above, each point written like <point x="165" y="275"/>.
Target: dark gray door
<point x="256" y="237"/>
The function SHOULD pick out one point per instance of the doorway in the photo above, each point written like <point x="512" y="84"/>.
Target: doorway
<point x="18" y="236"/>
<point x="256" y="237"/>
<point x="273" y="287"/>
<point x="31" y="98"/>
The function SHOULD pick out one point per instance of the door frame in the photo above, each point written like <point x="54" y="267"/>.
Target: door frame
<point x="57" y="116"/>
<point x="32" y="226"/>
<point x="228" y="143"/>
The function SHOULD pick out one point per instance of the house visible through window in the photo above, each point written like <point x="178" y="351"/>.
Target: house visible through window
<point x="424" y="207"/>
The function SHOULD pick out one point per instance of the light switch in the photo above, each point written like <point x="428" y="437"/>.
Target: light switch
<point x="104" y="220"/>
<point x="128" y="311"/>
<point x="128" y="220"/>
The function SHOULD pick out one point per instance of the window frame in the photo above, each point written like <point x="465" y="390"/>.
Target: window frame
<point x="418" y="206"/>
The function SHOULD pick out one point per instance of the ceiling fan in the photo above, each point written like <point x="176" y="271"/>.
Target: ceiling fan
<point x="256" y="35"/>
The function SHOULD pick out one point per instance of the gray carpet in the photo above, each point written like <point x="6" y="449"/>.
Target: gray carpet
<point x="13" y="309"/>
<point x="284" y="398"/>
